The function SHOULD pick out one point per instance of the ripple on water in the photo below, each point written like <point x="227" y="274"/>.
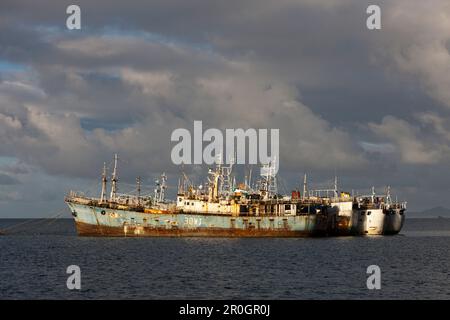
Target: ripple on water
<point x="413" y="265"/>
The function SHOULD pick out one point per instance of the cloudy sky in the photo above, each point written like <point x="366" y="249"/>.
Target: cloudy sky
<point x="371" y="105"/>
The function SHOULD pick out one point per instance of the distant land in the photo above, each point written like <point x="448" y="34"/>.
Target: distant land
<point x="430" y="213"/>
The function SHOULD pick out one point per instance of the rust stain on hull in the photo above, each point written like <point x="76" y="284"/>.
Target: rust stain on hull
<point x="343" y="227"/>
<point x="85" y="229"/>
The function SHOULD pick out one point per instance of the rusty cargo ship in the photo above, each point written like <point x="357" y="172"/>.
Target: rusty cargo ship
<point x="219" y="209"/>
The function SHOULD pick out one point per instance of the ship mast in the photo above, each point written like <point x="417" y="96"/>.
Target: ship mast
<point x="160" y="188"/>
<point x="213" y="180"/>
<point x="138" y="181"/>
<point x="248" y="179"/>
<point x="269" y="179"/>
<point x="305" y="189"/>
<point x="335" y="188"/>
<point x="388" y="195"/>
<point x="114" y="181"/>
<point x="163" y="187"/>
<point x="104" y="181"/>
<point x="213" y="184"/>
<point x="226" y="182"/>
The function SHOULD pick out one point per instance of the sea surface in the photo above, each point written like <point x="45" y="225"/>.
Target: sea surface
<point x="34" y="258"/>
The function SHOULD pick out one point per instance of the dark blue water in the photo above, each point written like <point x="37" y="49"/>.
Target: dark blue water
<point x="414" y="265"/>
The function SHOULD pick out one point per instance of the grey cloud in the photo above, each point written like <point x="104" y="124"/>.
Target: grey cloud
<point x="225" y="93"/>
<point x="346" y="99"/>
<point x="417" y="44"/>
<point x="17" y="168"/>
<point x="424" y="142"/>
<point x="7" y="179"/>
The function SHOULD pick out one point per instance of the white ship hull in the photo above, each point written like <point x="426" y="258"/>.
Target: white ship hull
<point x="375" y="221"/>
<point x="378" y="221"/>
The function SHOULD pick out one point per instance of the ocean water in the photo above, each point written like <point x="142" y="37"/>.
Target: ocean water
<point x="34" y="257"/>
